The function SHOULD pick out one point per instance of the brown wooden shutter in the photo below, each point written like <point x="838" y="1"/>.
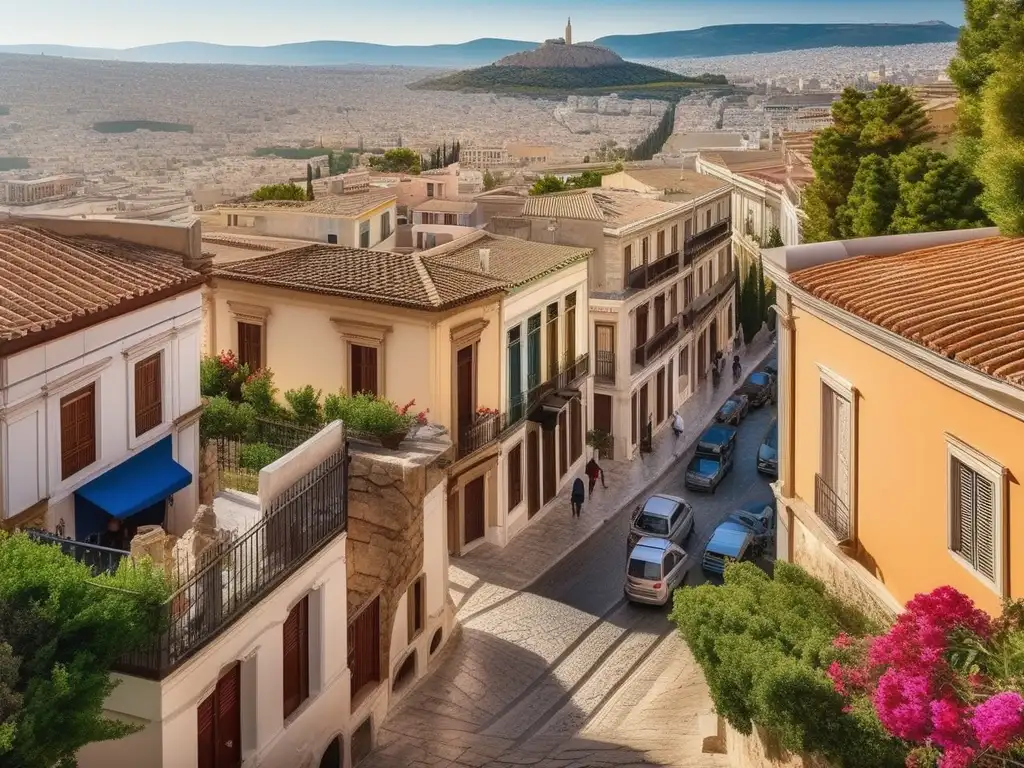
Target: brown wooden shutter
<point x="250" y="347"/>
<point x="78" y="430"/>
<point x="296" y="657"/>
<point x="148" y="395"/>
<point x="207" y="733"/>
<point x="364" y="369"/>
<point x="229" y="719"/>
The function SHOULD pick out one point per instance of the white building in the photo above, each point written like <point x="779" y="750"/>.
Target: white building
<point x="43" y="190"/>
<point x="99" y="374"/>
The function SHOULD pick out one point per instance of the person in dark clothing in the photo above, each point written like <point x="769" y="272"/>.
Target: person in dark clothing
<point x="114" y="536"/>
<point x="577" y="497"/>
<point x="594" y="471"/>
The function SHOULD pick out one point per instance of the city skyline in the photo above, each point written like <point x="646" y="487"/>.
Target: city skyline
<point x="260" y="22"/>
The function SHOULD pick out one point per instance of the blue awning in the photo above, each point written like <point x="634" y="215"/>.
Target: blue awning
<point x="148" y="477"/>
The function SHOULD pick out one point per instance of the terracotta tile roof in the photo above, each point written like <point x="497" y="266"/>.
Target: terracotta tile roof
<point x="402" y="280"/>
<point x="48" y="279"/>
<point x="962" y="301"/>
<point x="516" y="262"/>
<point x="615" y="207"/>
<point x="349" y="206"/>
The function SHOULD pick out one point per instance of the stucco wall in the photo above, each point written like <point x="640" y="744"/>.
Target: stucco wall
<point x="761" y="750"/>
<point x="901" y="460"/>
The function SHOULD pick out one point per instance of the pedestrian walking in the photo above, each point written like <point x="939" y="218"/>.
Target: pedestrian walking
<point x="593" y="471"/>
<point x="577" y="497"/>
<point x="677" y="428"/>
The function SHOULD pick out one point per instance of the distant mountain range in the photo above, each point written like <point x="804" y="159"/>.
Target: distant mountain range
<point x="725" y="40"/>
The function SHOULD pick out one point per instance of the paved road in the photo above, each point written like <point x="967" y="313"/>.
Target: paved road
<point x="531" y="670"/>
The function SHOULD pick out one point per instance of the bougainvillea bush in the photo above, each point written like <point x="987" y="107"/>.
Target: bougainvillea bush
<point x="946" y="678"/>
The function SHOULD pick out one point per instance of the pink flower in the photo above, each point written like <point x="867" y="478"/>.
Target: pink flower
<point x="949" y="723"/>
<point x="956" y="757"/>
<point x="842" y="640"/>
<point x="902" y="702"/>
<point x="999" y="720"/>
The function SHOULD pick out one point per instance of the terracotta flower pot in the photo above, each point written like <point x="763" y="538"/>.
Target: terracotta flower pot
<point x="393" y="441"/>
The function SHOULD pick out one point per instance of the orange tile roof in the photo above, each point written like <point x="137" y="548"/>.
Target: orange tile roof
<point x="963" y="301"/>
<point x="47" y="279"/>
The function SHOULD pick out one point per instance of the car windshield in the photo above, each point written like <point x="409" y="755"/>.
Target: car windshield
<point x="772" y="440"/>
<point x="652" y="524"/>
<point x="704" y="466"/>
<point x="641" y="569"/>
<point x="761" y="379"/>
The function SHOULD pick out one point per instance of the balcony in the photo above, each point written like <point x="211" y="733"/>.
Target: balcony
<point x="652" y="273"/>
<point x="658" y="343"/>
<point x="294" y="528"/>
<point x="604" y="370"/>
<point x="705" y="304"/>
<point x="831" y="510"/>
<point x="522" y="405"/>
<point x="703" y="242"/>
<point x="484" y="432"/>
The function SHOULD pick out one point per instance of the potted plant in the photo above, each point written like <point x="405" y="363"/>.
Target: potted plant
<point x="365" y="413"/>
<point x="601" y="441"/>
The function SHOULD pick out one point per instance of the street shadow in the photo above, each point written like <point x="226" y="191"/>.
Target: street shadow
<point x="488" y="701"/>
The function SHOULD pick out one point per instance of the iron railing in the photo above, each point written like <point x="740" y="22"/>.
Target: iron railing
<point x="484" y="432"/>
<point x="294" y="527"/>
<point x="657" y="344"/>
<point x="702" y="306"/>
<point x="604" y="368"/>
<point x="239" y="462"/>
<point x="704" y="241"/>
<point x="98" y="559"/>
<point x="654" y="272"/>
<point x="831" y="509"/>
<point x="522" y="405"/>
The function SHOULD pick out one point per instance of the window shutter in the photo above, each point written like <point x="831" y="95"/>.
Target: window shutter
<point x="229" y="719"/>
<point x="207" y="734"/>
<point x="303" y="649"/>
<point x="291" y="663"/>
<point x="985" y="534"/>
<point x="963" y="514"/>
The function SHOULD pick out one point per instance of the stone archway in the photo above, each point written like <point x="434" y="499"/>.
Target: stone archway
<point x="332" y="757"/>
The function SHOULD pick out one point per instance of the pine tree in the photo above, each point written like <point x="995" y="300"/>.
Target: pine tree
<point x="309" y="181"/>
<point x="317" y="173"/>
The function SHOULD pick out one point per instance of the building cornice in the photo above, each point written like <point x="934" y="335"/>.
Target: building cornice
<point x="1000" y="395"/>
<point x="688" y="207"/>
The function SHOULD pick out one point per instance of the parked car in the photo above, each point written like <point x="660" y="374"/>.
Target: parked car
<point x="661" y="517"/>
<point x="734" y="410"/>
<point x="729" y="544"/>
<point x="772" y="369"/>
<point x="654" y="569"/>
<point x="768" y="453"/>
<point x="758" y="517"/>
<point x="717" y="440"/>
<point x="759" y="388"/>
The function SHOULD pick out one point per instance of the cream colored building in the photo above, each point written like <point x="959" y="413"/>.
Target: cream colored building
<point x="44" y="190"/>
<point x="352" y="214"/>
<point x="661" y="294"/>
<point x="512" y="154"/>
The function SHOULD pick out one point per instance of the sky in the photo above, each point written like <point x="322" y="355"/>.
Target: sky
<point x="128" y="23"/>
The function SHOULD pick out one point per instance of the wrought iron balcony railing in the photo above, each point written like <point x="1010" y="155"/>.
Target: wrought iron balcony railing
<point x="657" y="344"/>
<point x="831" y="509"/>
<point x="604" y="369"/>
<point x="521" y="405"/>
<point x="98" y="559"/>
<point x="704" y="241"/>
<point x="704" y="304"/>
<point x="652" y="273"/>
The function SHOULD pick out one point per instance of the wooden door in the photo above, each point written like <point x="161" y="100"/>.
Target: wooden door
<point x="220" y="723"/>
<point x="563" y="444"/>
<point x="364" y="647"/>
<point x="532" y="473"/>
<point x="548" y="460"/>
<point x="474" y="510"/>
<point x="603" y="417"/>
<point x="643" y="414"/>
<point x="659" y="397"/>
<point x="454" y="529"/>
<point x="465" y="400"/>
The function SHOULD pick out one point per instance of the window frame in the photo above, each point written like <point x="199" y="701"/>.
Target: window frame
<point x="986" y="467"/>
<point x="301" y="613"/>
<point x="249" y="314"/>
<point x="136" y="431"/>
<point x="414" y="631"/>
<point x="515" y="460"/>
<point x="91" y="389"/>
<point x="844" y="389"/>
<point x="363" y="335"/>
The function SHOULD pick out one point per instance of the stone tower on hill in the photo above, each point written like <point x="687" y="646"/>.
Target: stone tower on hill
<point x="568" y="32"/>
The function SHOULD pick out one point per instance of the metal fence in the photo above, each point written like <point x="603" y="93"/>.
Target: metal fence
<point x="98" y="559"/>
<point x="294" y="528"/>
<point x="239" y="460"/>
<point x="831" y="509"/>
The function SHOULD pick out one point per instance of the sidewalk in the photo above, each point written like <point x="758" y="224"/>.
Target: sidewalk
<point x="489" y="574"/>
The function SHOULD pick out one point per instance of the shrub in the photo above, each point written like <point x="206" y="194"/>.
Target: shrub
<point x="365" y="412"/>
<point x="255" y="456"/>
<point x="764" y="644"/>
<point x="224" y="419"/>
<point x="305" y="405"/>
<point x="222" y="375"/>
<point x="259" y="392"/>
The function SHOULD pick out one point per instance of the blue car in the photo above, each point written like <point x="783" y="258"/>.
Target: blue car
<point x="768" y="453"/>
<point x="729" y="544"/>
<point x="713" y="459"/>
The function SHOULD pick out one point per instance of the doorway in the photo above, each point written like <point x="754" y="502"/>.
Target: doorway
<point x="713" y="338"/>
<point x="603" y="420"/>
<point x="532" y="473"/>
<point x="549" y="461"/>
<point x="465" y="400"/>
<point x="474" y="510"/>
<point x="702" y="356"/>
<point x="659" y="397"/>
<point x="332" y="755"/>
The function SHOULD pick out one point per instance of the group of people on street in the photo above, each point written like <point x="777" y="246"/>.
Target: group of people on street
<point x="594" y="473"/>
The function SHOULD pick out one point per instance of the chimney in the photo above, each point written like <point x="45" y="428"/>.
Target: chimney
<point x="485" y="259"/>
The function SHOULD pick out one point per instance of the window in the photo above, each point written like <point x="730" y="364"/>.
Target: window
<point x="515" y="477"/>
<point x="628" y="256"/>
<point x="332" y="239"/>
<point x="552" y="340"/>
<point x="515" y="367"/>
<point x="220" y="723"/>
<point x="684" y="361"/>
<point x="77" y="431"/>
<point x="633" y="420"/>
<point x="675" y="238"/>
<point x="149" y="410"/>
<point x="451" y="219"/>
<point x="250" y="345"/>
<point x="687" y="229"/>
<point x="385" y="225"/>
<point x="707" y="223"/>
<point x="296" y="657"/>
<point x="430" y="190"/>
<point x="570" y="327"/>
<point x="834" y="491"/>
<point x="576" y="428"/>
<point x="645" y="250"/>
<point x="533" y="351"/>
<point x="659" y="312"/>
<point x="673" y="302"/>
<point x="976" y="512"/>
<point x="363" y="369"/>
<point x="416" y="604"/>
<point x="661" y="243"/>
<point x="364" y="234"/>
<point x="687" y="290"/>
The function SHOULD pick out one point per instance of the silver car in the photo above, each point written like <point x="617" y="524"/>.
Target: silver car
<point x="661" y="517"/>
<point x="654" y="569"/>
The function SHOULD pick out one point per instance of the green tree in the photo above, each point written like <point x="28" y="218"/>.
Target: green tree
<point x="872" y="200"/>
<point x="490" y="182"/>
<point x="936" y="193"/>
<point x="547" y="184"/>
<point x="61" y="631"/>
<point x="764" y="644"/>
<point x="279" y="192"/>
<point x="339" y="162"/>
<point x="317" y="173"/>
<point x="401" y="160"/>
<point x="585" y="180"/>
<point x="774" y="239"/>
<point x="750" y="304"/>
<point x="1000" y="162"/>
<point x="309" y="181"/>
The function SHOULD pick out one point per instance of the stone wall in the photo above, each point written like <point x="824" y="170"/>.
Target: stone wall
<point x="385" y="528"/>
<point x="208" y="473"/>
<point x="761" y="750"/>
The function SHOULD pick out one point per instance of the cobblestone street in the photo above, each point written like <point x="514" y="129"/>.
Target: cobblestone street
<point x="552" y="667"/>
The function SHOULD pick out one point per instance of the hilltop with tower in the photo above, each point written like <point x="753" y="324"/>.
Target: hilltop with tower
<point x="561" y="53"/>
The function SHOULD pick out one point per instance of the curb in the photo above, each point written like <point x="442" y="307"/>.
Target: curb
<point x="633" y="500"/>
